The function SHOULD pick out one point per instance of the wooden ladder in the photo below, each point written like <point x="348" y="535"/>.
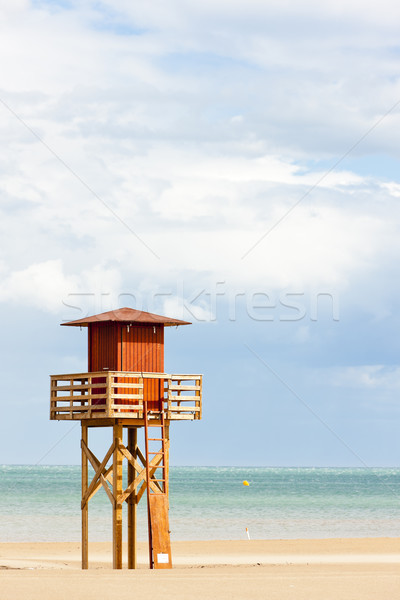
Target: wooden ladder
<point x="157" y="491"/>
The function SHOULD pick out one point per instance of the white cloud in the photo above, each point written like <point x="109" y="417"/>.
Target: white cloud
<point x="180" y="308"/>
<point x="46" y="286"/>
<point x="200" y="216"/>
<point x="40" y="285"/>
<point x="199" y="138"/>
<point x="380" y="377"/>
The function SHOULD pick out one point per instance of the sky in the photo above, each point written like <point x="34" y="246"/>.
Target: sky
<point x="234" y="164"/>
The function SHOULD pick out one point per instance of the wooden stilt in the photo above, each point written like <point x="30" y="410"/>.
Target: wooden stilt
<point x="85" y="549"/>
<point x="166" y="459"/>
<point x="147" y="463"/>
<point x="117" y="491"/>
<point x="132" y="447"/>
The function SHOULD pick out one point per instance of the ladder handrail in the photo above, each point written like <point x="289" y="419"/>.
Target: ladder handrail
<point x="146" y="439"/>
<point x="161" y="480"/>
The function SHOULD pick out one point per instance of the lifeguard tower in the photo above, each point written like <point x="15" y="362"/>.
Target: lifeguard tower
<point x="126" y="388"/>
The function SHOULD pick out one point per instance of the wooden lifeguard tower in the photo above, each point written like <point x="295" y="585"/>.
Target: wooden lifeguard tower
<point x="126" y="388"/>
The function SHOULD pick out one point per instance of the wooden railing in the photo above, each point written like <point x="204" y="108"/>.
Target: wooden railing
<point x="118" y="394"/>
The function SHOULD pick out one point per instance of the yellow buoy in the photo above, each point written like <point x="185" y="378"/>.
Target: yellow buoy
<point x="245" y="482"/>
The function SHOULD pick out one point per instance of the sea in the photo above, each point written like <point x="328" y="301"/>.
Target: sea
<point x="42" y="503"/>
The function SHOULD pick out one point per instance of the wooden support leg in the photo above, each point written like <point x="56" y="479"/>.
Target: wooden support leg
<point x="85" y="553"/>
<point x="117" y="491"/>
<point x="166" y="459"/>
<point x="132" y="447"/>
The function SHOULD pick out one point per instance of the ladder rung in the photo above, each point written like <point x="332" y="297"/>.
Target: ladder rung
<point x="155" y="439"/>
<point x="152" y="479"/>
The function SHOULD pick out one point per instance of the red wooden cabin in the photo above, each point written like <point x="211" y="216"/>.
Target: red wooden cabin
<point x="128" y="340"/>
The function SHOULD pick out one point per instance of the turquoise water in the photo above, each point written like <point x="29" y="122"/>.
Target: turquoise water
<point x="42" y="503"/>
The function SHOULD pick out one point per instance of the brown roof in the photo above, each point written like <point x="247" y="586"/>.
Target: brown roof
<point x="127" y="315"/>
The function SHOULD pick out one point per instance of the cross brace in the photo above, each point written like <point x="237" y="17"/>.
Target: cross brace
<point x="109" y="476"/>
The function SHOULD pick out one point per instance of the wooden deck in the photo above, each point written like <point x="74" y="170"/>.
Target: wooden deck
<point x="120" y="394"/>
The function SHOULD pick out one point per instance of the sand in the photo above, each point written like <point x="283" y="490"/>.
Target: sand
<point x="338" y="569"/>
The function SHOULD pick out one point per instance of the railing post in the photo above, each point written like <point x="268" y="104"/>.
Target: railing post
<point x="71" y="396"/>
<point x="169" y="404"/>
<point x="89" y="394"/>
<point x="141" y="390"/>
<point x="108" y="394"/>
<point x="53" y="396"/>
<point x="198" y="395"/>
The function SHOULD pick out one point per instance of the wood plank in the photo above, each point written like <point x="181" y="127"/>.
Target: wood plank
<point x="107" y="474"/>
<point x="82" y="400"/>
<point x="141" y="477"/>
<point x="91" y="457"/>
<point x="117" y="490"/>
<point x="139" y="374"/>
<point x="185" y="408"/>
<point x="108" y="403"/>
<point x="153" y="466"/>
<point x="127" y="418"/>
<point x="185" y="376"/>
<point x="131" y="500"/>
<point x="123" y="384"/>
<point x="85" y="520"/>
<point x="104" y="483"/>
<point x="128" y="407"/>
<point x="141" y="492"/>
<point x="74" y="399"/>
<point x="133" y="415"/>
<point x="65" y="418"/>
<point x="131" y="459"/>
<point x="160" y="531"/>
<point x="182" y="417"/>
<point x="124" y="396"/>
<point x="141" y="457"/>
<point x="99" y="416"/>
<point x="184" y="388"/>
<point x="67" y="388"/>
<point x="98" y="473"/>
<point x="74" y="410"/>
<point x="75" y="376"/>
<point x="156" y="374"/>
<point x="198" y="398"/>
<point x="182" y="398"/>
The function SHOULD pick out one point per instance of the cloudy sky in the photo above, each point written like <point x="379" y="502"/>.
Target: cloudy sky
<point x="232" y="163"/>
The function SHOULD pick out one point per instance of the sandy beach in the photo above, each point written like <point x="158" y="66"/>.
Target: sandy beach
<point x="327" y="569"/>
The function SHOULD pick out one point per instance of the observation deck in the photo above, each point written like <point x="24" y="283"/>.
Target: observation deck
<point x="122" y="394"/>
